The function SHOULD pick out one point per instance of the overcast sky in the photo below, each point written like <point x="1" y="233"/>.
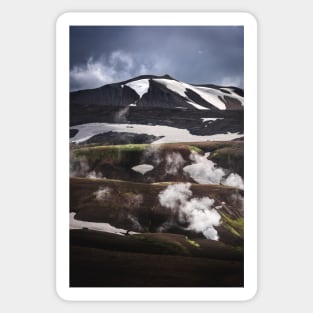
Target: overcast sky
<point x="193" y="54"/>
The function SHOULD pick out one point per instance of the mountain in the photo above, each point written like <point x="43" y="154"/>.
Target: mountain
<point x="134" y="110"/>
<point x="156" y="177"/>
<point x="161" y="92"/>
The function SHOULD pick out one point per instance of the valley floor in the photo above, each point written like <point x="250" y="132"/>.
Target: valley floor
<point x="115" y="261"/>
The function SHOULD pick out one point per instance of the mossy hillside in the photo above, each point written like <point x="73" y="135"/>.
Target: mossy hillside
<point x="125" y="203"/>
<point x="226" y="154"/>
<point x="210" y="146"/>
<point x="136" y="206"/>
<point x="155" y="243"/>
<point x="235" y="226"/>
<point x="230" y="157"/>
<point x="192" y="242"/>
<point x="195" y="149"/>
<point x="125" y="155"/>
<point x="139" y="243"/>
<point x="132" y="154"/>
<point x="169" y="246"/>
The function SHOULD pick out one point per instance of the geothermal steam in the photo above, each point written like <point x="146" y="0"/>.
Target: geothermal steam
<point x="121" y="115"/>
<point x="197" y="212"/>
<point x="79" y="167"/>
<point x="204" y="171"/>
<point x="103" y="194"/>
<point x="173" y="162"/>
<point x="233" y="180"/>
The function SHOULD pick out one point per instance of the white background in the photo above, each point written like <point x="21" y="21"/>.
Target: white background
<point x="27" y="230"/>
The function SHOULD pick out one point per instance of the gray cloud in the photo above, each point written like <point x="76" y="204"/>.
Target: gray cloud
<point x="100" y="55"/>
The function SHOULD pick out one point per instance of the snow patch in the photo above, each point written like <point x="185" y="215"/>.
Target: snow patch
<point x="198" y="106"/>
<point x="212" y="92"/>
<point x="207" y="94"/>
<point x="170" y="134"/>
<point x="206" y="119"/>
<point x="179" y="88"/>
<point x="210" y="95"/>
<point x="140" y="86"/>
<point x="143" y="168"/>
<point x="104" y="227"/>
<point x="172" y="85"/>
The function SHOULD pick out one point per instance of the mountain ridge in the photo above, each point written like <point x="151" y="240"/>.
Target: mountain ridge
<point x="161" y="91"/>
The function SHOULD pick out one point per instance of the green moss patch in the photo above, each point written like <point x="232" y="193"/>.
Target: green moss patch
<point x="235" y="226"/>
<point x="195" y="149"/>
<point x="192" y="242"/>
<point x="173" y="247"/>
<point x="125" y="155"/>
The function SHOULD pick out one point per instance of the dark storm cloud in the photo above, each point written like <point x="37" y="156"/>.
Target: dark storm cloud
<point x="101" y="55"/>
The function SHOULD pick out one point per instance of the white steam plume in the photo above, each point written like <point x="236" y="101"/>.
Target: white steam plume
<point x="120" y="116"/>
<point x="205" y="171"/>
<point x="103" y="193"/>
<point x="173" y="162"/>
<point x="79" y="167"/>
<point x="135" y="222"/>
<point x="233" y="180"/>
<point x="152" y="154"/>
<point x="133" y="200"/>
<point x="175" y="195"/>
<point x="197" y="212"/>
<point x="93" y="174"/>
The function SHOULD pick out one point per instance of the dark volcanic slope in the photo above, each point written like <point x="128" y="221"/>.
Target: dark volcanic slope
<point x="151" y="260"/>
<point x="161" y="91"/>
<point x="229" y="120"/>
<point x="112" y="138"/>
<point x="135" y="206"/>
<point x="153" y="100"/>
<point x="94" y="267"/>
<point x="112" y="94"/>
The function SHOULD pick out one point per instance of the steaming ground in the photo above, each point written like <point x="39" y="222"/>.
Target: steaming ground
<point x="197" y="212"/>
<point x="205" y="171"/>
<point x="129" y="222"/>
<point x="170" y="164"/>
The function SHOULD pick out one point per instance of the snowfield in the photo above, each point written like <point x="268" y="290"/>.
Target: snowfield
<point x="105" y="227"/>
<point x="170" y="134"/>
<point x="141" y="86"/>
<point x="211" y="95"/>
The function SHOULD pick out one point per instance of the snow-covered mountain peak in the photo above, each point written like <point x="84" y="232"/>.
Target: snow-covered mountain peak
<point x="162" y="91"/>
